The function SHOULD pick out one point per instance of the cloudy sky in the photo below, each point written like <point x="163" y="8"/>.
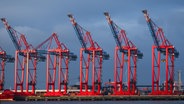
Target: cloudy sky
<point x="38" y="19"/>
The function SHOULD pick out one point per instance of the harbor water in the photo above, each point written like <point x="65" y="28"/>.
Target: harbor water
<point x="93" y="102"/>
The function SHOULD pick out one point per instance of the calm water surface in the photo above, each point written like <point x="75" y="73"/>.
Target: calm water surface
<point x="95" y="102"/>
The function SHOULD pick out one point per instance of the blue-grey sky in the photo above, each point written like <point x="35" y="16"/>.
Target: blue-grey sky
<point x="38" y="19"/>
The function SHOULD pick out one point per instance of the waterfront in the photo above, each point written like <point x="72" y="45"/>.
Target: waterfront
<point x="94" y="102"/>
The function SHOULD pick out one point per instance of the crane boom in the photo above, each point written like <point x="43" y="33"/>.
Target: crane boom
<point x="85" y="38"/>
<point x="16" y="37"/>
<point x="114" y="28"/>
<point x="12" y="34"/>
<point x="79" y="31"/>
<point x="151" y="26"/>
<point x="120" y="34"/>
<point x="158" y="36"/>
<point x="20" y="42"/>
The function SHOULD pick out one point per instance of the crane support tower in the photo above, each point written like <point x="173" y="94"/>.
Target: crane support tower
<point x="58" y="57"/>
<point x="162" y="48"/>
<point x="3" y="59"/>
<point x="125" y="53"/>
<point x="26" y="58"/>
<point x="91" y="57"/>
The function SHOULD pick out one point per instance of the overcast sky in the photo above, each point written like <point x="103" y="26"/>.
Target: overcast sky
<point x="38" y="19"/>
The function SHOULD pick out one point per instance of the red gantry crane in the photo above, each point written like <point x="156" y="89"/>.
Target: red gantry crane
<point x="58" y="57"/>
<point x="26" y="58"/>
<point x="169" y="52"/>
<point x="124" y="54"/>
<point x="91" y="57"/>
<point x="3" y="59"/>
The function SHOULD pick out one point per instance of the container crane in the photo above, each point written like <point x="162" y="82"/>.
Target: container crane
<point x="126" y="53"/>
<point x="169" y="53"/>
<point x="3" y="59"/>
<point x="26" y="58"/>
<point x="91" y="57"/>
<point x="58" y="57"/>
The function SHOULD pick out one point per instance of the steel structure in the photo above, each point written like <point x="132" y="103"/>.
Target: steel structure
<point x="26" y="58"/>
<point x="58" y="57"/>
<point x="164" y="49"/>
<point x="125" y="53"/>
<point x="3" y="59"/>
<point x="91" y="57"/>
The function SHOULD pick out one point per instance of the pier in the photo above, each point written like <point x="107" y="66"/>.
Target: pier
<point x="100" y="98"/>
